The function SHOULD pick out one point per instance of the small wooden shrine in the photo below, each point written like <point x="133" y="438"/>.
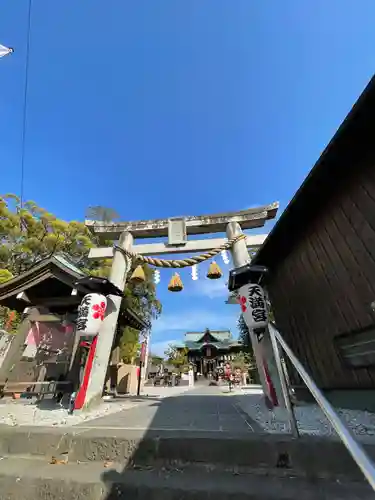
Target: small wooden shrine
<point x="46" y="346"/>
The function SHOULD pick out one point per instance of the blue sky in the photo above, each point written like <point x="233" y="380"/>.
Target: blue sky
<point x="159" y="108"/>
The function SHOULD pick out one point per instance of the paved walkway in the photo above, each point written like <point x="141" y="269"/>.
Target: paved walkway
<point x="203" y="408"/>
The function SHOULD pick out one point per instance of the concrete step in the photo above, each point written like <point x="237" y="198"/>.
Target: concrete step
<point x="31" y="478"/>
<point x="308" y="457"/>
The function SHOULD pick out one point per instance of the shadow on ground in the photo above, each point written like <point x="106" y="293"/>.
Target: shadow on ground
<point x="201" y="445"/>
<point x="190" y="428"/>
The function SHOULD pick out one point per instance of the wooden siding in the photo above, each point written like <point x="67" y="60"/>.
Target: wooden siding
<point x="324" y="287"/>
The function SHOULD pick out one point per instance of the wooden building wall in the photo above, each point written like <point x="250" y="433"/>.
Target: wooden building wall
<point x="322" y="290"/>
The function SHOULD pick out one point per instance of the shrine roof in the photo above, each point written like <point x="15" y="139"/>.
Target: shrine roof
<point x="335" y="166"/>
<point x="51" y="282"/>
<point x="60" y="272"/>
<point x="218" y="335"/>
<point x="197" y="346"/>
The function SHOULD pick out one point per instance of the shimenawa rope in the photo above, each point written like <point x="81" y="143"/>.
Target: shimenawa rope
<point x="175" y="264"/>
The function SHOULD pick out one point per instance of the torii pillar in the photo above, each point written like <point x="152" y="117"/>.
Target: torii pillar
<point x="91" y="390"/>
<point x="263" y="353"/>
<point x="241" y="257"/>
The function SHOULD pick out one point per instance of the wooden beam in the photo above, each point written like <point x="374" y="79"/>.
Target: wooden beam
<point x="70" y="300"/>
<point x="47" y="318"/>
<point x="201" y="224"/>
<point x="195" y="246"/>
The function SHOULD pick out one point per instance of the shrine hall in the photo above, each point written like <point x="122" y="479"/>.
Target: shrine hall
<point x="209" y="349"/>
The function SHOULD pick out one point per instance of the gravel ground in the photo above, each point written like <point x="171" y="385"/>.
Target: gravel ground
<point x="310" y="418"/>
<point x="25" y="412"/>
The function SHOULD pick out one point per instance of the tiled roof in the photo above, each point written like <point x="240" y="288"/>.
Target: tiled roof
<point x="65" y="261"/>
<point x="196" y="346"/>
<point x="219" y="335"/>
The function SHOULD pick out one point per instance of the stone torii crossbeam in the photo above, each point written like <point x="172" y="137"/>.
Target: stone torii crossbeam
<point x="202" y="224"/>
<point x="177" y="230"/>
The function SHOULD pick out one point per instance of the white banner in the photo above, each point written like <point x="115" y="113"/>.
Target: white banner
<point x="4" y="51"/>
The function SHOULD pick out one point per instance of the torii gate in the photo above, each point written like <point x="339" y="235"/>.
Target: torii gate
<point x="177" y="230"/>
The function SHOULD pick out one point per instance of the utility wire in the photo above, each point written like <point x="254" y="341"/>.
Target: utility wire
<point x="24" y="111"/>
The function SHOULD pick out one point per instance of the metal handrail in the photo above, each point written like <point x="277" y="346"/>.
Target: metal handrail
<point x="354" y="448"/>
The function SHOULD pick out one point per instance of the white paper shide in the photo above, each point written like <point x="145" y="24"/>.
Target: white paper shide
<point x="4" y="51"/>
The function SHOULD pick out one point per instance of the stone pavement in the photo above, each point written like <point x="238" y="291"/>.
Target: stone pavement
<point x="203" y="408"/>
<point x="200" y="430"/>
<point x="25" y="412"/>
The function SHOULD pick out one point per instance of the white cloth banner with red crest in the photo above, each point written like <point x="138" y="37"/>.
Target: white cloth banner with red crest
<point x="91" y="314"/>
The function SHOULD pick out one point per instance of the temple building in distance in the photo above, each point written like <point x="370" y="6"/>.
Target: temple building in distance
<point x="208" y="349"/>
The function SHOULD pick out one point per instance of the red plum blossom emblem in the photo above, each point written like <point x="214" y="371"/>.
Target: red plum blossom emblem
<point x="99" y="310"/>
<point x="243" y="304"/>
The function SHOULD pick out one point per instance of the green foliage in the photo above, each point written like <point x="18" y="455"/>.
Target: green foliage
<point x="156" y="360"/>
<point x="177" y="357"/>
<point x="142" y="298"/>
<point x="244" y="334"/>
<point x="5" y="275"/>
<point x="146" y="305"/>
<point x="129" y="345"/>
<point x="9" y="320"/>
<point x="29" y="234"/>
<point x="247" y="355"/>
<point x="244" y="360"/>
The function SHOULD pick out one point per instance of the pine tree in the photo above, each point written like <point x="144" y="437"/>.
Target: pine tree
<point x="29" y="234"/>
<point x="244" y="334"/>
